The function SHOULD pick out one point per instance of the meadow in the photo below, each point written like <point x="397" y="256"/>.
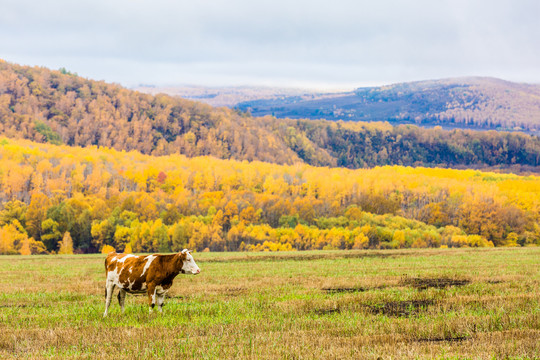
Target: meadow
<point x="392" y="304"/>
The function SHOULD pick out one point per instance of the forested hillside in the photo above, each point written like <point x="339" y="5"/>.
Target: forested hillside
<point x="64" y="199"/>
<point x="62" y="108"/>
<point x="483" y="103"/>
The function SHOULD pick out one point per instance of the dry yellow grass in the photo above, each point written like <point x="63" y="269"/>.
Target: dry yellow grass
<point x="313" y="305"/>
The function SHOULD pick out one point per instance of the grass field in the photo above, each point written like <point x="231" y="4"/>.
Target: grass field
<point x="447" y="303"/>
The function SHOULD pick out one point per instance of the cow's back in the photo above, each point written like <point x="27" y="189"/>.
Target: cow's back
<point x="128" y="271"/>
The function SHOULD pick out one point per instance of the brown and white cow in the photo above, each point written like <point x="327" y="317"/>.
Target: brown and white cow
<point x="153" y="274"/>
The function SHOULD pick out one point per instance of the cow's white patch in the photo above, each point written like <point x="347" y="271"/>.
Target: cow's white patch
<point x="149" y="260"/>
<point x="122" y="269"/>
<point x="130" y="269"/>
<point x="128" y="286"/>
<point x="114" y="276"/>
<point x="126" y="257"/>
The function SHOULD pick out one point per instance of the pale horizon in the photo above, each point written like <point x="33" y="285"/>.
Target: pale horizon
<point x="303" y="44"/>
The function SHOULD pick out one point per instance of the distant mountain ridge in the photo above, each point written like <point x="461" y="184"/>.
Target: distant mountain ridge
<point x="223" y="95"/>
<point x="60" y="107"/>
<point x="477" y="102"/>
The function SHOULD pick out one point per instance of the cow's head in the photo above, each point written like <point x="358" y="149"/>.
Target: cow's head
<point x="189" y="266"/>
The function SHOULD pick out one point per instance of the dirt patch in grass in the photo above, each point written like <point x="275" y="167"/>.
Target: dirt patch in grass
<point x="327" y="311"/>
<point x="298" y="256"/>
<point x="439" y="283"/>
<point x="441" y="339"/>
<point x="24" y="306"/>
<point x="400" y="308"/>
<point x="338" y="290"/>
<point x="221" y="292"/>
<point x="235" y="291"/>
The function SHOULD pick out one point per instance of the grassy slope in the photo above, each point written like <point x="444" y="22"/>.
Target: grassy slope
<point x="273" y="306"/>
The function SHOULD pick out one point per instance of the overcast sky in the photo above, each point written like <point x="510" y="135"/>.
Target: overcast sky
<point x="307" y="43"/>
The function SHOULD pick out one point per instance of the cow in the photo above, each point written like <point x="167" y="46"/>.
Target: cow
<point x="153" y="274"/>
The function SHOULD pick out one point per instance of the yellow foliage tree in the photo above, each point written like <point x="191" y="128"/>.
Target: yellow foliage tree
<point x="361" y="241"/>
<point x="66" y="246"/>
<point x="25" y="248"/>
<point x="12" y="238"/>
<point x="107" y="249"/>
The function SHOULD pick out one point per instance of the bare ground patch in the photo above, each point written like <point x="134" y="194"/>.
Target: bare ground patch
<point x="299" y="256"/>
<point x="444" y="339"/>
<point x="433" y="282"/>
<point x="391" y="308"/>
<point x="337" y="290"/>
<point x="400" y="308"/>
<point x="16" y="306"/>
<point x="219" y="291"/>
<point x="354" y="289"/>
<point x="327" y="311"/>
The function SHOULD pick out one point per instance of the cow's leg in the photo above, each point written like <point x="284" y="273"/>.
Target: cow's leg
<point x="110" y="289"/>
<point x="122" y="298"/>
<point x="160" y="300"/>
<point x="151" y="296"/>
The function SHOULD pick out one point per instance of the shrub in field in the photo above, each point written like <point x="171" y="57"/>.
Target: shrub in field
<point x="469" y="241"/>
<point x="107" y="249"/>
<point x="66" y="247"/>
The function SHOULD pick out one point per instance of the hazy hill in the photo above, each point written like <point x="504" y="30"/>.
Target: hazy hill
<point x="59" y="107"/>
<point x="476" y="102"/>
<point x="228" y="96"/>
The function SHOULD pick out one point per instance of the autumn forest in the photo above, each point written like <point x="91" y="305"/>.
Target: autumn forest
<point x="87" y="166"/>
<point x="60" y="198"/>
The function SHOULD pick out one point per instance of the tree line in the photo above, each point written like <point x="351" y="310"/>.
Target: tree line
<point x="61" y="199"/>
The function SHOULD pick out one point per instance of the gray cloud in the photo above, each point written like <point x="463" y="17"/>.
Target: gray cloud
<point x="344" y="43"/>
